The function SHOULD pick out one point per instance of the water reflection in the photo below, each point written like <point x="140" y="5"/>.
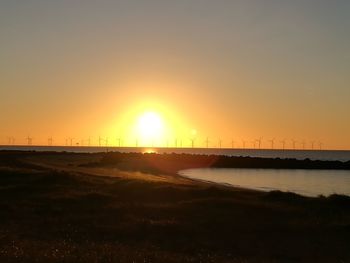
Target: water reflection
<point x="304" y="182"/>
<point x="149" y="150"/>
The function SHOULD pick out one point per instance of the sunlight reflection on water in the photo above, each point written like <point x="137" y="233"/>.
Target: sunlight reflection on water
<point x="149" y="150"/>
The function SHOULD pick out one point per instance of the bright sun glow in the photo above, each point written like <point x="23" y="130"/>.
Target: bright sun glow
<point x="150" y="126"/>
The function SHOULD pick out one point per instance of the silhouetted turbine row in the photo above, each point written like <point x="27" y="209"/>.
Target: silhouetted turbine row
<point x="191" y="142"/>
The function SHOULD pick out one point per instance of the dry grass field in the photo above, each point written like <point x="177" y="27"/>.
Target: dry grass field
<point x="65" y="207"/>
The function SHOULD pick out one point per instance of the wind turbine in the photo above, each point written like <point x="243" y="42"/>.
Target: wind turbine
<point x="192" y="142"/>
<point x="243" y="143"/>
<point x="118" y="141"/>
<point x="312" y="145"/>
<point x="253" y="143"/>
<point x="11" y="140"/>
<point x="29" y="140"/>
<point x="82" y="141"/>
<point x="232" y="144"/>
<point x="101" y="140"/>
<point x="283" y="142"/>
<point x="49" y="141"/>
<point x="259" y="141"/>
<point x="220" y="143"/>
<point x="293" y="143"/>
<point x="207" y="142"/>
<point x="320" y="144"/>
<point x="303" y="143"/>
<point x="272" y="141"/>
<point x="88" y="140"/>
<point x="71" y="141"/>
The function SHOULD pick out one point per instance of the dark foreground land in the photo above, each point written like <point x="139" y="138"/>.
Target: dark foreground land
<point x="65" y="207"/>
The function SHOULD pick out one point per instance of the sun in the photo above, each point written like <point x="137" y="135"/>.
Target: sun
<point x="150" y="126"/>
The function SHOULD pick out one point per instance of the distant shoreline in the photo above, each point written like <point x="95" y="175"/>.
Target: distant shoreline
<point x="174" y="162"/>
<point x="6" y="146"/>
<point x="324" y="155"/>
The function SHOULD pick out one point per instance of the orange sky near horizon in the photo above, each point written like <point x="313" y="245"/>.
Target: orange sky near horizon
<point x="227" y="70"/>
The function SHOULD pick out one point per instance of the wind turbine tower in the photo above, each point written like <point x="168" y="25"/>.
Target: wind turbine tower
<point x="71" y="141"/>
<point x="11" y="140"/>
<point x="283" y="142"/>
<point x="83" y="141"/>
<point x="207" y="142"/>
<point x="312" y="145"/>
<point x="272" y="141"/>
<point x="232" y="144"/>
<point x="254" y="144"/>
<point x="118" y="141"/>
<point x="50" y="141"/>
<point x="303" y="143"/>
<point x="244" y="143"/>
<point x="259" y="142"/>
<point x="29" y="140"/>
<point x="192" y="142"/>
<point x="101" y="140"/>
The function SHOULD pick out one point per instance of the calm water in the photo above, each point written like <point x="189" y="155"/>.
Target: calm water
<point x="304" y="182"/>
<point x="298" y="154"/>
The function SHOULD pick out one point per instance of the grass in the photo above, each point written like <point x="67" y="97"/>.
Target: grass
<point x="49" y="215"/>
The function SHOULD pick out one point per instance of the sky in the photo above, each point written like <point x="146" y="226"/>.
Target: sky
<point x="224" y="69"/>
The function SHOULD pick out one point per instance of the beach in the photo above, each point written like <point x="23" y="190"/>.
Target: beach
<point x="82" y="207"/>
